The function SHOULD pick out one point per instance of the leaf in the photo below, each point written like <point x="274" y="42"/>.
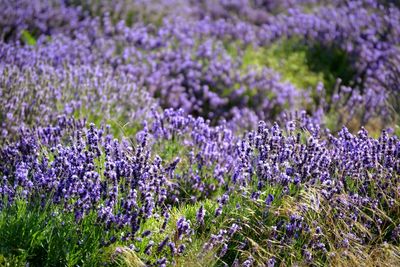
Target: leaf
<point x="27" y="38"/>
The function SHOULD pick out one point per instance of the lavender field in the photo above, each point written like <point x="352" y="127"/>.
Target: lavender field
<point x="199" y="133"/>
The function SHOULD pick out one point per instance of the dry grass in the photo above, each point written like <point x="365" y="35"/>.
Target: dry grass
<point x="384" y="255"/>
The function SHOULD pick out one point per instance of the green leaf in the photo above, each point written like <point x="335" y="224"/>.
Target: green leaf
<point x="27" y="38"/>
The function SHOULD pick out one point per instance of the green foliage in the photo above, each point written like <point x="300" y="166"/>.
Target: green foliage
<point x="171" y="149"/>
<point x="262" y="239"/>
<point x="397" y="130"/>
<point x="28" y="38"/>
<point x="257" y="225"/>
<point x="301" y="64"/>
<point x="45" y="236"/>
<point x="287" y="58"/>
<point x="168" y="150"/>
<point x="120" y="125"/>
<point x="333" y="63"/>
<point x="195" y="245"/>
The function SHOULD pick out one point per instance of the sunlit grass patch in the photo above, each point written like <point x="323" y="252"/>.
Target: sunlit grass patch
<point x="301" y="64"/>
<point x="46" y="236"/>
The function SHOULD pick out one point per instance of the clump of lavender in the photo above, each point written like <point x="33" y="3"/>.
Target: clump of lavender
<point x="200" y="215"/>
<point x="183" y="228"/>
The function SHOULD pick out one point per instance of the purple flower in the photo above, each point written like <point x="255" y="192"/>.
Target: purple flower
<point x="200" y="215"/>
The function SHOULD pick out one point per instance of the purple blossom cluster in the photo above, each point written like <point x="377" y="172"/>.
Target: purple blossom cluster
<point x="277" y="156"/>
<point x="85" y="170"/>
<point x="198" y="76"/>
<point x="39" y="95"/>
<point x="356" y="174"/>
<point x="185" y="64"/>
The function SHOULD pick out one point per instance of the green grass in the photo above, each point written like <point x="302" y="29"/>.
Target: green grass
<point x="302" y="65"/>
<point x="256" y="224"/>
<point x="290" y="63"/>
<point x="48" y="237"/>
<point x="264" y="242"/>
<point x="194" y="246"/>
<point x="28" y="38"/>
<point x="119" y="124"/>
